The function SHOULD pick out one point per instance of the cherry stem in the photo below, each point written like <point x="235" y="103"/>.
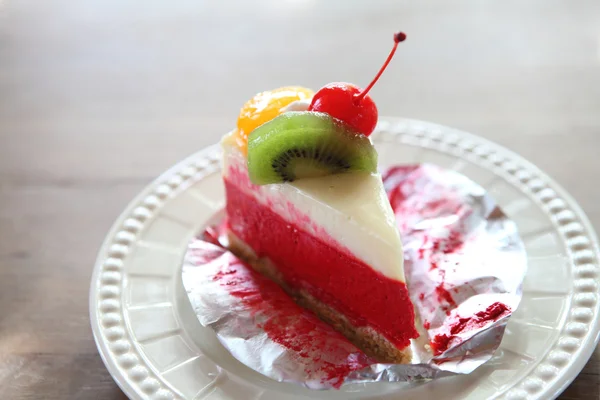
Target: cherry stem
<point x="398" y="37"/>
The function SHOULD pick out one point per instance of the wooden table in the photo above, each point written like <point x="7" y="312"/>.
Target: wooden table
<point x="98" y="97"/>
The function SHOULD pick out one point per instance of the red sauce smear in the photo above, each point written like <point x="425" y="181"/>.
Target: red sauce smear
<point x="405" y="186"/>
<point x="441" y="342"/>
<point x="325" y="353"/>
<point x="444" y="295"/>
<point x="414" y="195"/>
<point x="323" y="269"/>
<point x="397" y="193"/>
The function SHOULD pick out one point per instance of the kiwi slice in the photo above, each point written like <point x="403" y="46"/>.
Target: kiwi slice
<point x="296" y="145"/>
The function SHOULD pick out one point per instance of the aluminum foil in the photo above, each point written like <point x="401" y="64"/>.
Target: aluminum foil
<point x="464" y="265"/>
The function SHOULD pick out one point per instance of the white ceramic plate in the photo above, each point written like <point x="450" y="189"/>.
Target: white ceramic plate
<point x="153" y="345"/>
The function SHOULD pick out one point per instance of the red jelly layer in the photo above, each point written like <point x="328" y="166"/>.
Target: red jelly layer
<point x="329" y="273"/>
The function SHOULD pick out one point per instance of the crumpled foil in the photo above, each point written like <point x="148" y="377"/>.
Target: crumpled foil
<point x="464" y="265"/>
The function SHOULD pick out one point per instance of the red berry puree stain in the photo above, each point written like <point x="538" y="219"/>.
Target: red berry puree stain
<point x="494" y="312"/>
<point x="325" y="354"/>
<point x="415" y="194"/>
<point x="442" y="291"/>
<point x="444" y="295"/>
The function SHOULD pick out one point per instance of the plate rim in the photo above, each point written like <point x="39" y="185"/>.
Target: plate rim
<point x="554" y="372"/>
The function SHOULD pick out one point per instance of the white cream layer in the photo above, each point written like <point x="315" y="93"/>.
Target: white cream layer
<point x="351" y="208"/>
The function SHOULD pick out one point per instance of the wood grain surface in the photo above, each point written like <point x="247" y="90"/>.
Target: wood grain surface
<point x="98" y="97"/>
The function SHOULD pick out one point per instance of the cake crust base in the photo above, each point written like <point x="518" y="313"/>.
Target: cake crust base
<point x="365" y="338"/>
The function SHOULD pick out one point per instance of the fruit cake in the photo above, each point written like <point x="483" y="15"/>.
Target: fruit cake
<point x="306" y="207"/>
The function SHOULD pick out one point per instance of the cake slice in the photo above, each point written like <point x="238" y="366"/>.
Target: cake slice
<point x="306" y="207"/>
<point x="331" y="243"/>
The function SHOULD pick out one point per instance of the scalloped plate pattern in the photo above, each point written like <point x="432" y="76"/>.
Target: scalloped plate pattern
<point x="153" y="346"/>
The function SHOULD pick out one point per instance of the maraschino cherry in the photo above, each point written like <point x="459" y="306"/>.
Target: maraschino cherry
<point x="349" y="103"/>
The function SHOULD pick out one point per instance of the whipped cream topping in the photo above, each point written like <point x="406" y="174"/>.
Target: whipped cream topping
<point x="298" y="105"/>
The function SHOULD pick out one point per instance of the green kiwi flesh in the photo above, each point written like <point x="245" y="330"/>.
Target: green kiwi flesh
<point x="306" y="144"/>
